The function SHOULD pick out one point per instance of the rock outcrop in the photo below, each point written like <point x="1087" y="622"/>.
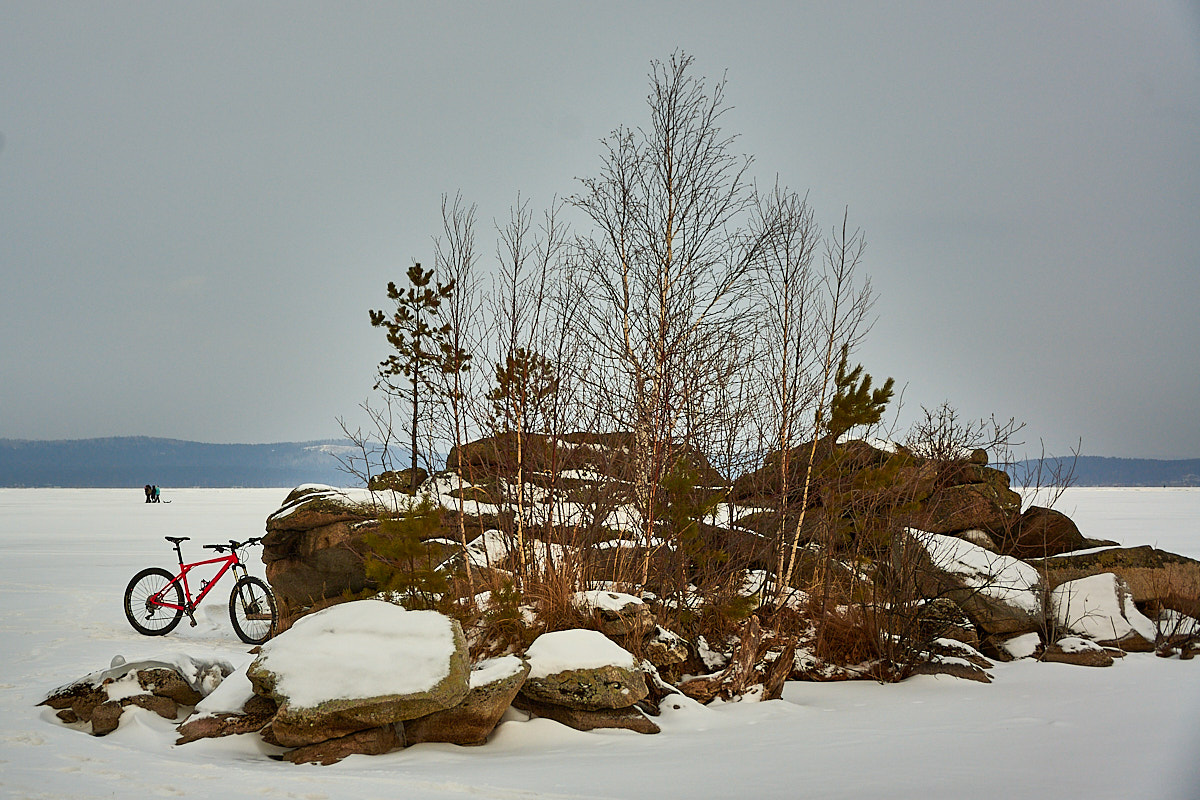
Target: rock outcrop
<point x="1000" y="594"/>
<point x="1155" y="577"/>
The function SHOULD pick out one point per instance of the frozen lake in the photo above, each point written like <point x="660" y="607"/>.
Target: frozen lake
<point x="1040" y="730"/>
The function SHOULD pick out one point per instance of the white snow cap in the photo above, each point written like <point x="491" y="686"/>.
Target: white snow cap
<point x="560" y="651"/>
<point x="366" y="648"/>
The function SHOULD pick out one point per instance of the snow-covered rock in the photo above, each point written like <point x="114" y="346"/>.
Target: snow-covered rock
<point x="615" y="613"/>
<point x="1100" y="607"/>
<point x="159" y="685"/>
<point x="583" y="669"/>
<point x="360" y="665"/>
<point x="1000" y="593"/>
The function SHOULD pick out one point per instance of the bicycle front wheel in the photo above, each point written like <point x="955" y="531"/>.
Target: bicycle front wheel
<point x="145" y="615"/>
<point x="252" y="610"/>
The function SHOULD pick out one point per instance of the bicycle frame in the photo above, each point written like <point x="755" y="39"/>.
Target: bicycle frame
<point x="231" y="561"/>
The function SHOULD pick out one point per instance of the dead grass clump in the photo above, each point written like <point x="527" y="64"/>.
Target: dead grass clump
<point x="844" y="637"/>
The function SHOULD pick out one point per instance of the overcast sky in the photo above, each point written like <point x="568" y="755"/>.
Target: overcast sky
<point x="200" y="201"/>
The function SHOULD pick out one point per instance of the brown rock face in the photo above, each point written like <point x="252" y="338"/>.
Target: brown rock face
<point x="168" y="683"/>
<point x="370" y="742"/>
<point x="256" y="713"/>
<point x="106" y="717"/>
<point x="1041" y="532"/>
<point x="855" y="481"/>
<point x="990" y="506"/>
<point x="583" y="720"/>
<point x="469" y="722"/>
<point x="607" y="454"/>
<point x="310" y="544"/>
<point x="589" y="689"/>
<point x="1084" y="657"/>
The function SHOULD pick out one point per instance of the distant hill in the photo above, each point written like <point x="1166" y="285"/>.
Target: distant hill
<point x="138" y="460"/>
<point x="1102" y="471"/>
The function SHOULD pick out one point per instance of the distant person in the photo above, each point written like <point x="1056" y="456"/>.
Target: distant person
<point x="157" y="495"/>
<point x="149" y="492"/>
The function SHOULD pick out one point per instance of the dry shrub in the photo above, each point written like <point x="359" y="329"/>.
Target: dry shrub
<point x="501" y="625"/>
<point x="1176" y="613"/>
<point x="552" y="592"/>
<point x="845" y="638"/>
<point x="785" y="621"/>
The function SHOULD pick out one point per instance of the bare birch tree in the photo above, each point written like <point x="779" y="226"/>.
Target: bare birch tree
<point x="665" y="265"/>
<point x="528" y="259"/>
<point x="455" y="257"/>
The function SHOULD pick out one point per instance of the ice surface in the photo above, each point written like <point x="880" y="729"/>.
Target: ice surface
<point x="1131" y="730"/>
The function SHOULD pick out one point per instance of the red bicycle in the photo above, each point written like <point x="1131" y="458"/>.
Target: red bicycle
<point x="155" y="599"/>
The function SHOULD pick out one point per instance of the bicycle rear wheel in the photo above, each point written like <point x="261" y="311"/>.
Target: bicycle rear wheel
<point x="147" y="617"/>
<point x="252" y="610"/>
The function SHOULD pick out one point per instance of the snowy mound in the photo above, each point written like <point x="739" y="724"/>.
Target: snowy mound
<point x="560" y="651"/>
<point x="366" y="648"/>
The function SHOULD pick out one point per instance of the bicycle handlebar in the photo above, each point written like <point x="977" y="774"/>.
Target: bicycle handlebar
<point x="234" y="545"/>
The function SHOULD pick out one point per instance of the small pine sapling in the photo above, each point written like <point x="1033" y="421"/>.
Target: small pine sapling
<point x="854" y="402"/>
<point x="400" y="565"/>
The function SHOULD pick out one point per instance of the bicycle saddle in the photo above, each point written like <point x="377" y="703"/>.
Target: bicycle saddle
<point x="177" y="539"/>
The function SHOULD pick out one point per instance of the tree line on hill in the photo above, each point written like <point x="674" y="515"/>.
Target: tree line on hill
<point x="133" y="461"/>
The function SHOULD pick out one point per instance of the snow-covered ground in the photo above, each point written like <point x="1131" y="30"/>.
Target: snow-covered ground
<point x="1040" y="730"/>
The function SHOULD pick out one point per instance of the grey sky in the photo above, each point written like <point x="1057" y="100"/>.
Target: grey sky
<point x="200" y="201"/>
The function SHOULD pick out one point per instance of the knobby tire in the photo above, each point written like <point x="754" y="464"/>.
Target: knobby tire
<point x="146" y="618"/>
<point x="252" y="610"/>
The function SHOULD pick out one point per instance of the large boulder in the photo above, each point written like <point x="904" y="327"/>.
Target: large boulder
<point x="765" y="486"/>
<point x="867" y="487"/>
<point x="606" y="456"/>
<point x="1000" y="594"/>
<point x="315" y="543"/>
<point x="1041" y="532"/>
<point x="990" y="505"/>
<point x="493" y="685"/>
<point x="360" y="665"/>
<point x="310" y="546"/>
<point x="583" y="669"/>
<point x="1155" y="578"/>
